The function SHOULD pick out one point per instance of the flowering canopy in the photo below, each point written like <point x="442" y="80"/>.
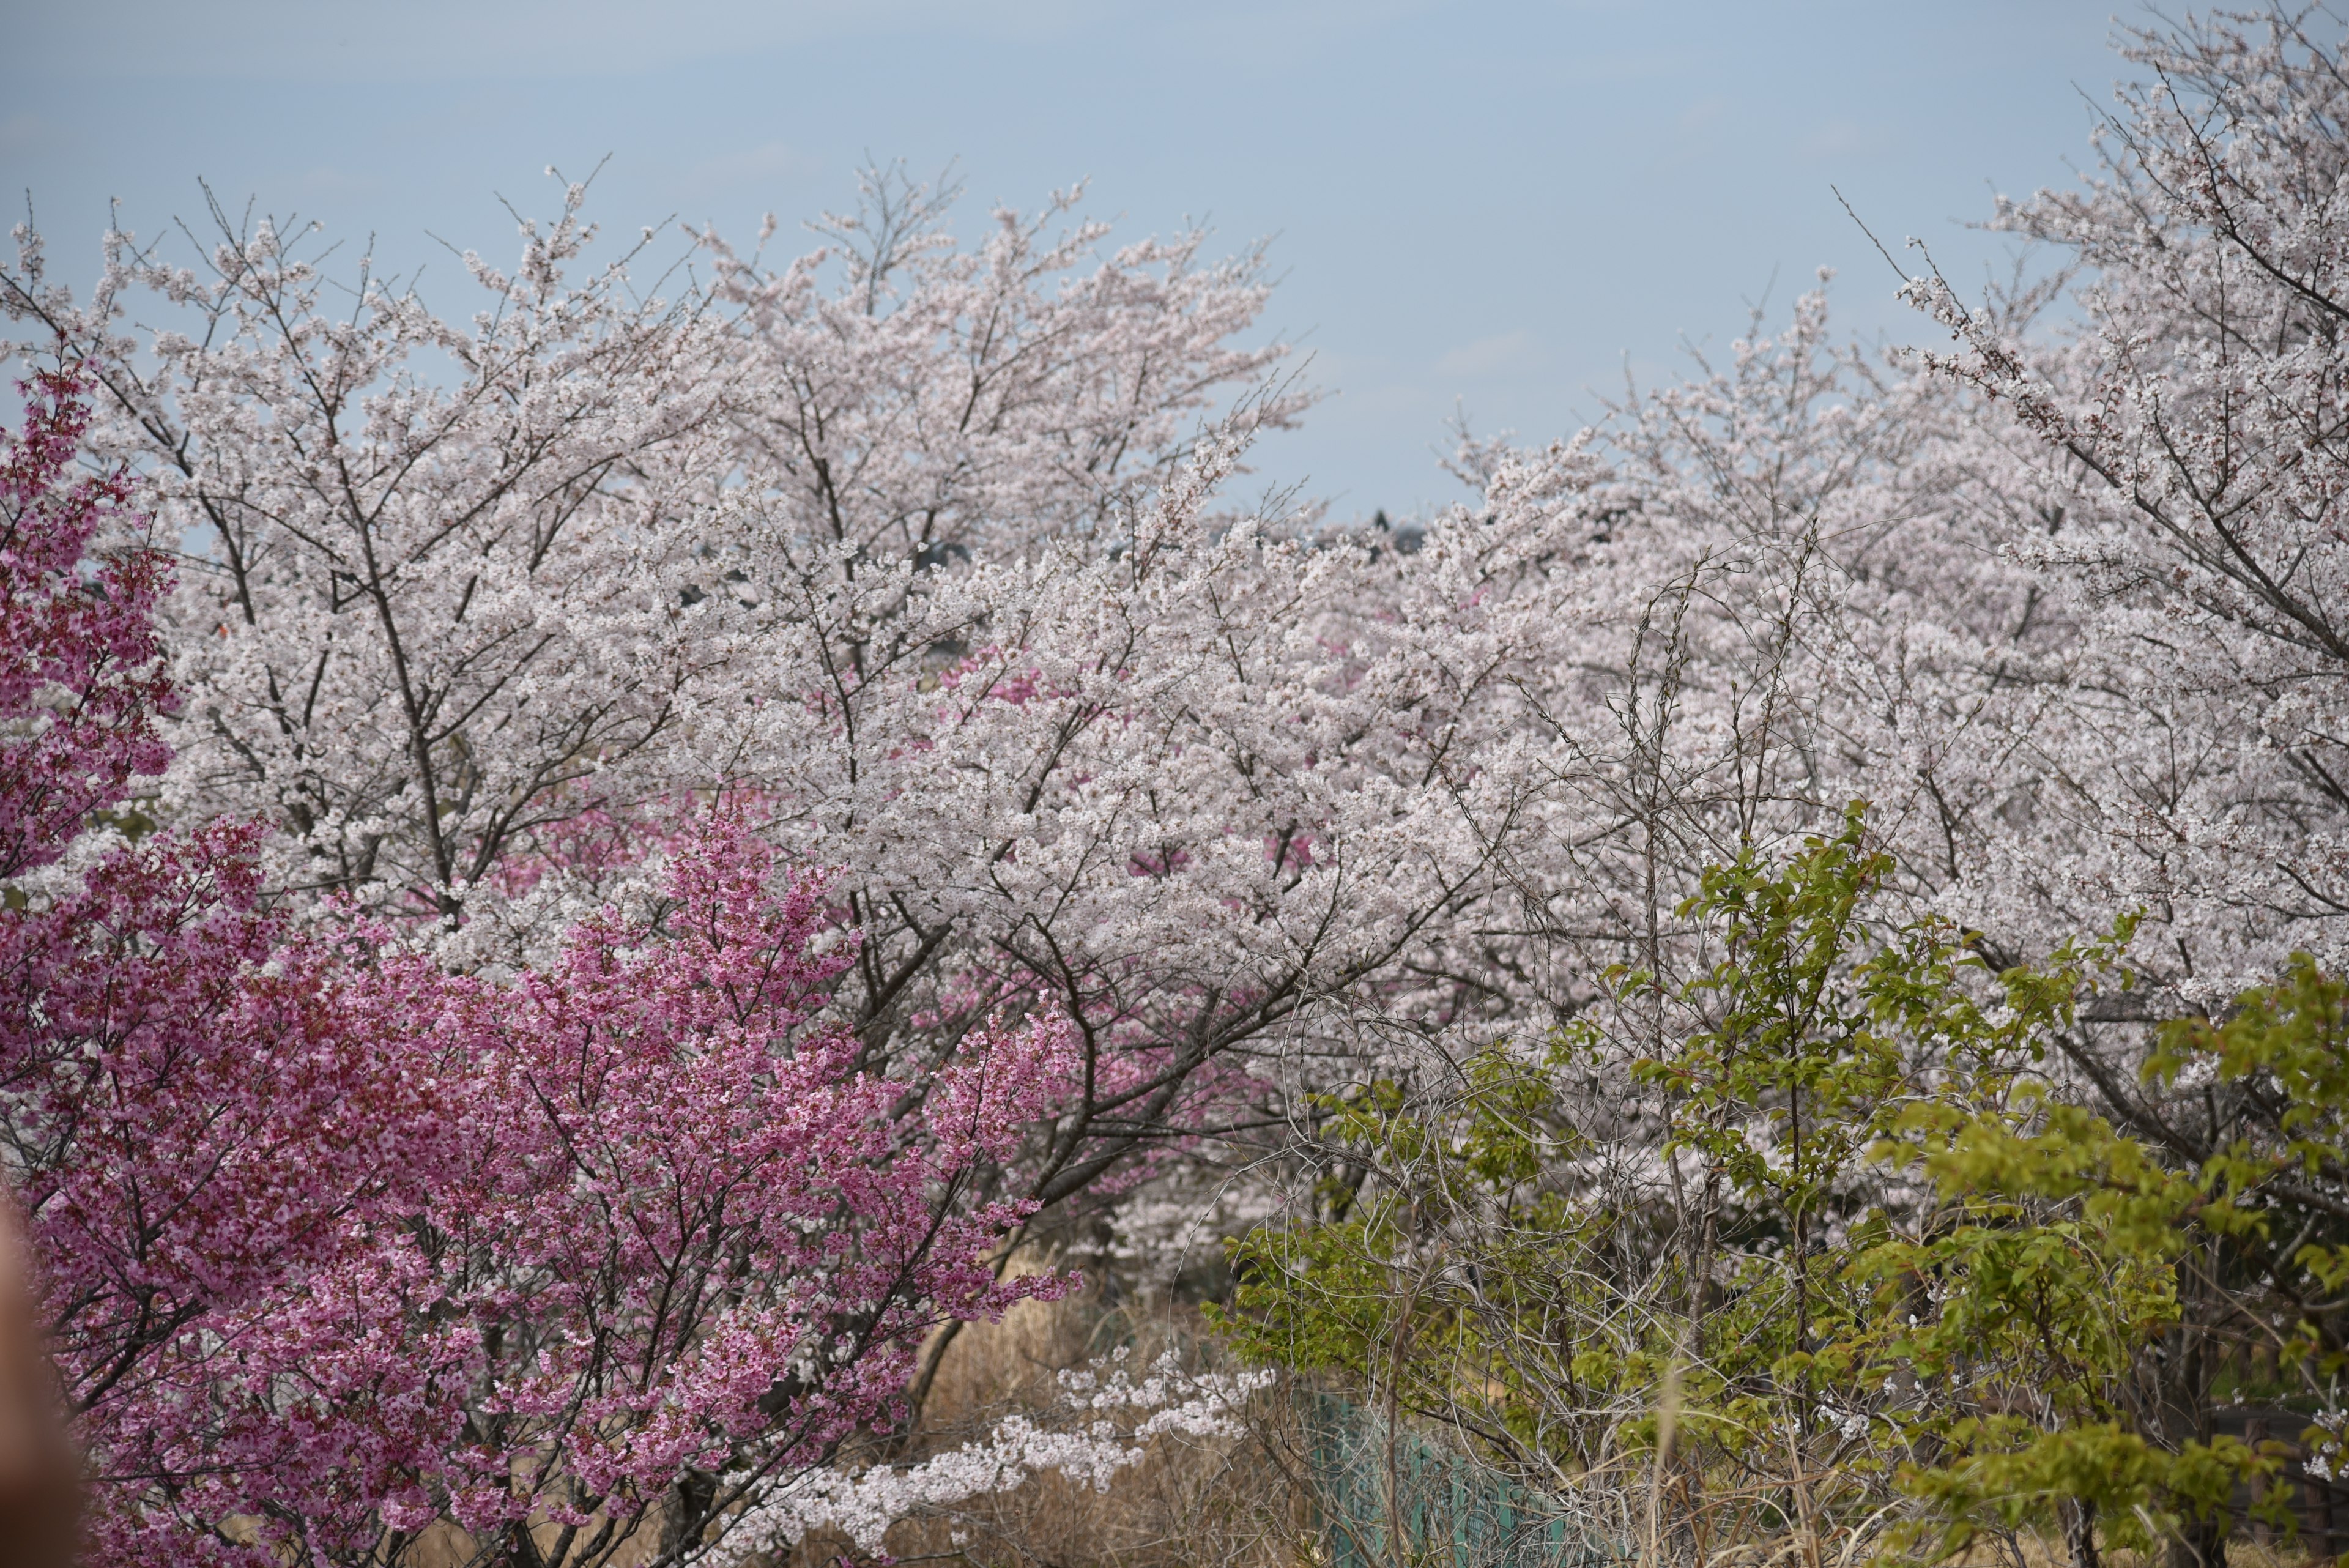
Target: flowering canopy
<point x="335" y="1243"/>
<point x="918" y="561"/>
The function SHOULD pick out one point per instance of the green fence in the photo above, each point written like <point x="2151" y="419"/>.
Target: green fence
<point x="1372" y="1482"/>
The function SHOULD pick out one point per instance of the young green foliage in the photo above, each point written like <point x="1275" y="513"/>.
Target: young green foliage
<point x="1884" y="1267"/>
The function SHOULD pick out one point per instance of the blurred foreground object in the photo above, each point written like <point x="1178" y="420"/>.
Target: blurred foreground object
<point x="40" y="1490"/>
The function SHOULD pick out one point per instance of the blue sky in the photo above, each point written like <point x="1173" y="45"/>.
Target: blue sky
<point x="1495" y="207"/>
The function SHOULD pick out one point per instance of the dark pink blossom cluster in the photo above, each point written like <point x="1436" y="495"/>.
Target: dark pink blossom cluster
<point x="81" y="665"/>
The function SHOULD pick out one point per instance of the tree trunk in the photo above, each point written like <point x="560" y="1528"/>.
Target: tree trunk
<point x="687" y="1510"/>
<point x="2200" y="1544"/>
<point x="2080" y="1532"/>
<point x="2183" y="1375"/>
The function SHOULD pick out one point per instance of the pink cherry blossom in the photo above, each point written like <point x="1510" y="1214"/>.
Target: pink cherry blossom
<point x="335" y="1243"/>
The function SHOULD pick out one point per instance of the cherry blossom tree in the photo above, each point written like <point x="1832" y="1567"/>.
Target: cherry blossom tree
<point x="663" y="1249"/>
<point x="2181" y="446"/>
<point x="407" y="535"/>
<point x="441" y="582"/>
<point x="918" y="400"/>
<point x="80" y="675"/>
<point x="184" y="1123"/>
<point x="508" y="605"/>
<point x="2182" y="454"/>
<point x="336" y="1247"/>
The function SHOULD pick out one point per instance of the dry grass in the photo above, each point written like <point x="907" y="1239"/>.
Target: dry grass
<point x="1235" y="1503"/>
<point x="1190" y="1504"/>
<point x="2028" y="1549"/>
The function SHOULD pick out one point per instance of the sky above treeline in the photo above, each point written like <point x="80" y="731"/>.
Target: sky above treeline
<point x="1489" y="209"/>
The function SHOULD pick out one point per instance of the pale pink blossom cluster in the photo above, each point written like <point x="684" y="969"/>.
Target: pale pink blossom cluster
<point x="2173" y="464"/>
